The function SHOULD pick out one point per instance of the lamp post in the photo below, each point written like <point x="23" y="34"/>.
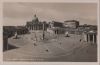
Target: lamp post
<point x="43" y="30"/>
<point x="35" y="37"/>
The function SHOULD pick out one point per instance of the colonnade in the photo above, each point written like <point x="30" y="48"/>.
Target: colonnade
<point x="35" y="27"/>
<point x="91" y="38"/>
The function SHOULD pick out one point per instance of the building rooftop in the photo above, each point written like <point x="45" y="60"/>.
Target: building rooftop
<point x="91" y="32"/>
<point x="71" y="21"/>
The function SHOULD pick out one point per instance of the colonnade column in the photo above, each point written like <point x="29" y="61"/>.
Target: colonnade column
<point x="93" y="39"/>
<point x="88" y="37"/>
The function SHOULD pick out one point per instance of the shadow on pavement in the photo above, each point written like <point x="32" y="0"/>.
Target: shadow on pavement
<point x="10" y="47"/>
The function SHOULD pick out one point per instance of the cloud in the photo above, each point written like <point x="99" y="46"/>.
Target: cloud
<point x="20" y="13"/>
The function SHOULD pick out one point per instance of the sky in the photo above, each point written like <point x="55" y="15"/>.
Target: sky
<point x="18" y="13"/>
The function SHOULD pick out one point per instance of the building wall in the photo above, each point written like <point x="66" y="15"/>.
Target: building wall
<point x="5" y="42"/>
<point x="90" y="37"/>
<point x="71" y="24"/>
<point x="36" y="26"/>
<point x="9" y="30"/>
<point x="56" y="27"/>
<point x="55" y="24"/>
<point x="50" y="30"/>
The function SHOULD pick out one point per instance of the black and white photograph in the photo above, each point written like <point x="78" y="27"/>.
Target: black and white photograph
<point x="50" y="32"/>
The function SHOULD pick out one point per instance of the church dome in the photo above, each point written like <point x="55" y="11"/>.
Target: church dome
<point x="35" y="19"/>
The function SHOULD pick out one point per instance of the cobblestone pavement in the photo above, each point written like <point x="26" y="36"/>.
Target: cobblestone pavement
<point x="54" y="48"/>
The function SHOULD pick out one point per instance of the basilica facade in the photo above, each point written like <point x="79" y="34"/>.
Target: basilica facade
<point x="35" y="24"/>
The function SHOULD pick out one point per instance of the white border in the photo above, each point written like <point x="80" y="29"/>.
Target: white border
<point x="48" y="63"/>
<point x="1" y="19"/>
<point x="51" y="1"/>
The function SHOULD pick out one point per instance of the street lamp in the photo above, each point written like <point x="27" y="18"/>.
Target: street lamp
<point x="43" y="30"/>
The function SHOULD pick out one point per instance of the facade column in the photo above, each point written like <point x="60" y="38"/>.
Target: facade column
<point x="30" y="27"/>
<point x="33" y="27"/>
<point x="38" y="27"/>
